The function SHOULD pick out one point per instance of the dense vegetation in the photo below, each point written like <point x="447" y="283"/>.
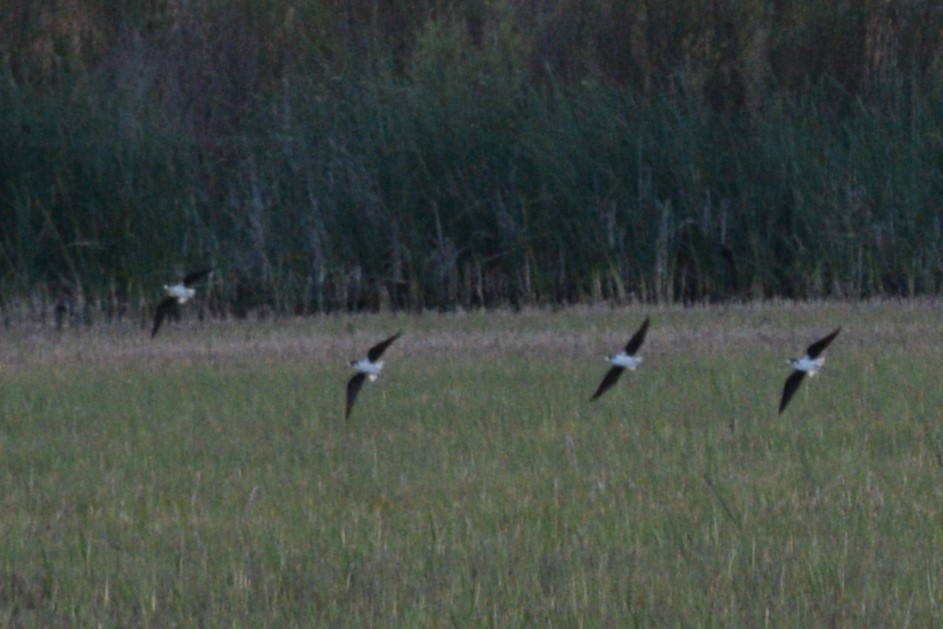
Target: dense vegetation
<point x="327" y="155"/>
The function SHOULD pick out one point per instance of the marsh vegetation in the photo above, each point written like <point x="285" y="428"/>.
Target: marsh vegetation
<point x="355" y="155"/>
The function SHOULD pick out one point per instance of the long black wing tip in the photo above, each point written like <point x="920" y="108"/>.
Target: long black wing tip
<point x="789" y="389"/>
<point x="353" y="388"/>
<point x="165" y="306"/>
<point x="638" y="338"/>
<point x="196" y="276"/>
<point x="611" y="377"/>
<point x="819" y="346"/>
<point x="377" y="350"/>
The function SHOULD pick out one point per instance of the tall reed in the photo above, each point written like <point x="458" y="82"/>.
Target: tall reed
<point x="458" y="154"/>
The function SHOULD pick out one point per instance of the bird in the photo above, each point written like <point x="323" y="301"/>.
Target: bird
<point x="369" y="367"/>
<point x="810" y="364"/>
<point x="179" y="293"/>
<point x="622" y="360"/>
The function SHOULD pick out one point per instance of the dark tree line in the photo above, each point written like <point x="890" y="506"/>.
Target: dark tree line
<point x="329" y="156"/>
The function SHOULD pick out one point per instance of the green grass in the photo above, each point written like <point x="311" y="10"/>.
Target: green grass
<point x="208" y="477"/>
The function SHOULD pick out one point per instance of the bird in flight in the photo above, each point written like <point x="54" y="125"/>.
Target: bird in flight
<point x="179" y="293"/>
<point x="369" y="367"/>
<point x="808" y="364"/>
<point x="622" y="360"/>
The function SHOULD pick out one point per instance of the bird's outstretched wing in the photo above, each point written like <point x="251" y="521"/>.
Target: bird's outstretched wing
<point x="353" y="388"/>
<point x="637" y="339"/>
<point x="790" y="388"/>
<point x="196" y="276"/>
<point x="819" y="346"/>
<point x="164" y="308"/>
<point x="377" y="350"/>
<point x="611" y="377"/>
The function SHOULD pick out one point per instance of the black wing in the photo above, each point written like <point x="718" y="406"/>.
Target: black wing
<point x="377" y="350"/>
<point x="353" y="388"/>
<point x="789" y="389"/>
<point x="636" y="341"/>
<point x="611" y="377"/>
<point x="196" y="276"/>
<point x="164" y="308"/>
<point x="819" y="346"/>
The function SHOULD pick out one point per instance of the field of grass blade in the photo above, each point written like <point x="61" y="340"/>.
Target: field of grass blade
<point x="208" y="476"/>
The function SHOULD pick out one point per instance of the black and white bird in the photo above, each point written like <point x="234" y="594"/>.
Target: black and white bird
<point x="369" y="367"/>
<point x="625" y="359"/>
<point x="810" y="364"/>
<point x="177" y="294"/>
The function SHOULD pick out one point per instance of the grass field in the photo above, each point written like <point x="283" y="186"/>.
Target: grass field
<point x="208" y="478"/>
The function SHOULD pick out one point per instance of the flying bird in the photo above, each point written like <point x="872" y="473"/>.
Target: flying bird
<point x="622" y="360"/>
<point x="808" y="364"/>
<point x="179" y="293"/>
<point x="369" y="367"/>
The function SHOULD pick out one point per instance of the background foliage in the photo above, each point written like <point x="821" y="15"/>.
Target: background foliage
<point x="328" y="155"/>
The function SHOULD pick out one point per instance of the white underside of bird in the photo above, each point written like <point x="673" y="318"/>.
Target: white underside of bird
<point x="810" y="366"/>
<point x="181" y="292"/>
<point x="624" y="360"/>
<point x="370" y="368"/>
